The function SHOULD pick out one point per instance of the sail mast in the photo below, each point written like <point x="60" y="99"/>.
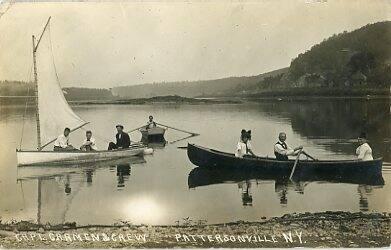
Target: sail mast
<point x="35" y="47"/>
<point x="36" y="96"/>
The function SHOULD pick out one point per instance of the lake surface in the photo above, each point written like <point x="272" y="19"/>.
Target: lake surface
<point x="158" y="189"/>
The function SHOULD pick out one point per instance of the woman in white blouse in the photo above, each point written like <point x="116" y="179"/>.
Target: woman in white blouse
<point x="364" y="151"/>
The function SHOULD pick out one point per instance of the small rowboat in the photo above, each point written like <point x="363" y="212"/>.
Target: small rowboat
<point x="155" y="134"/>
<point x="205" y="157"/>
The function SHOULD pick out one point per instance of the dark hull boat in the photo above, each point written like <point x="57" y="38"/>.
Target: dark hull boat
<point x="204" y="157"/>
<point x="155" y="134"/>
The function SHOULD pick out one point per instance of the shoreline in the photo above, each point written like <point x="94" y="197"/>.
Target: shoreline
<point x="178" y="100"/>
<point x="324" y="229"/>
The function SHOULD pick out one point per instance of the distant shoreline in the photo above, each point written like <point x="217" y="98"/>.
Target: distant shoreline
<point x="7" y="100"/>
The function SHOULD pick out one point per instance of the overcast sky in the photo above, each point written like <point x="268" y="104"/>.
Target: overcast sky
<point x="109" y="44"/>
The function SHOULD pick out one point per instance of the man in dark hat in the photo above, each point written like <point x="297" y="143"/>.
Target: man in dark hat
<point x="123" y="139"/>
<point x="364" y="151"/>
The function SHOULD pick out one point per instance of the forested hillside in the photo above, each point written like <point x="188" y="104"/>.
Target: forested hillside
<point x="218" y="87"/>
<point x="353" y="61"/>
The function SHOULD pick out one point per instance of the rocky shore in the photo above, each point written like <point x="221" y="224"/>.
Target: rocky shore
<point x="327" y="229"/>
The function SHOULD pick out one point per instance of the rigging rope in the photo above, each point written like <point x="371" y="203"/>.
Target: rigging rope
<point x="25" y="108"/>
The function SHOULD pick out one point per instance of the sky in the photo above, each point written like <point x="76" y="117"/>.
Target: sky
<point x="108" y="44"/>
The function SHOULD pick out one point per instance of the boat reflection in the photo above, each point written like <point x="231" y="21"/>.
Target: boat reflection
<point x="155" y="144"/>
<point x="54" y="180"/>
<point x="247" y="178"/>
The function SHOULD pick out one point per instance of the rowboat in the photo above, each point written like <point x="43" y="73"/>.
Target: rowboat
<point x="205" y="157"/>
<point x="155" y="134"/>
<point x="53" y="114"/>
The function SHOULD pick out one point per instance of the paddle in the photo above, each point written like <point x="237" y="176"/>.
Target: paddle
<point x="309" y="156"/>
<point x="294" y="166"/>
<point x="193" y="134"/>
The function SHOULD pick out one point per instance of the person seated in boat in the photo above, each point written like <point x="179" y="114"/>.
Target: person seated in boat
<point x="150" y="123"/>
<point x="364" y="151"/>
<point x="89" y="144"/>
<point x="62" y="142"/>
<point x="244" y="147"/>
<point x="282" y="150"/>
<point x="122" y="138"/>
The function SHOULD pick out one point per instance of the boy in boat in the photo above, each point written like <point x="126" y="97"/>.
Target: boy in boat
<point x="89" y="143"/>
<point x="282" y="150"/>
<point x="123" y="139"/>
<point x="364" y="151"/>
<point x="244" y="146"/>
<point x="62" y="142"/>
<point x="150" y="123"/>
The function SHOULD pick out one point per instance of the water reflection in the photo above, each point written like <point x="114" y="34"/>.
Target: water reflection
<point x="336" y="123"/>
<point x="123" y="173"/>
<point x="51" y="206"/>
<point x="247" y="178"/>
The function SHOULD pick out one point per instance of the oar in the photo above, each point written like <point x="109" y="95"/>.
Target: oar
<point x="309" y="156"/>
<point x="181" y="130"/>
<point x="294" y="166"/>
<point x="187" y="137"/>
<point x="136" y="129"/>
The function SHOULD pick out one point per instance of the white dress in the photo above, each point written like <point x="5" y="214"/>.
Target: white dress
<point x="364" y="152"/>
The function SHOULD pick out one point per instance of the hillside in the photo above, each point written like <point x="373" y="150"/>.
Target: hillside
<point x="218" y="87"/>
<point x="357" y="62"/>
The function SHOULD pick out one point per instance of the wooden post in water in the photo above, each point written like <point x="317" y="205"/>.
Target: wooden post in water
<point x="36" y="96"/>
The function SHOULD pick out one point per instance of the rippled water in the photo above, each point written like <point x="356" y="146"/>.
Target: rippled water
<point x="159" y="190"/>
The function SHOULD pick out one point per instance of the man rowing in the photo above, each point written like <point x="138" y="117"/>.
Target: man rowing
<point x="244" y="146"/>
<point x="364" y="151"/>
<point x="89" y="143"/>
<point x="282" y="150"/>
<point x="122" y="139"/>
<point x="62" y="142"/>
<point x="150" y="123"/>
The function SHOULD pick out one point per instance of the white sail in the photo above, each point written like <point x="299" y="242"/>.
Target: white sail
<point x="54" y="111"/>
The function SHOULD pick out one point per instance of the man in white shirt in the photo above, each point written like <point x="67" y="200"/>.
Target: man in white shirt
<point x="89" y="143"/>
<point x="282" y="150"/>
<point x="364" y="151"/>
<point x="62" y="142"/>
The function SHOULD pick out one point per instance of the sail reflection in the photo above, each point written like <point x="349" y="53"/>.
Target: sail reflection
<point x="247" y="178"/>
<point x="53" y="180"/>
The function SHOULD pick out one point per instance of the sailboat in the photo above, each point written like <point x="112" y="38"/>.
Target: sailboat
<point x="53" y="114"/>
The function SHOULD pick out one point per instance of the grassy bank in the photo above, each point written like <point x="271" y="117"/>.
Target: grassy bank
<point x="327" y="229"/>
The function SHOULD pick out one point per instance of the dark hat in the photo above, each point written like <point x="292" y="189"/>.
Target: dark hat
<point x="363" y="135"/>
<point x="119" y="125"/>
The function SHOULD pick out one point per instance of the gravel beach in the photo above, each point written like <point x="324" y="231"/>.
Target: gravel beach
<point x="327" y="229"/>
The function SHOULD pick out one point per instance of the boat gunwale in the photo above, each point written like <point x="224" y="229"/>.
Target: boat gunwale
<point x="82" y="152"/>
<point x="230" y="155"/>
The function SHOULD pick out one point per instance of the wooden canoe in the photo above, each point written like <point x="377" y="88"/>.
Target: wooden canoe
<point x="205" y="157"/>
<point x="33" y="158"/>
